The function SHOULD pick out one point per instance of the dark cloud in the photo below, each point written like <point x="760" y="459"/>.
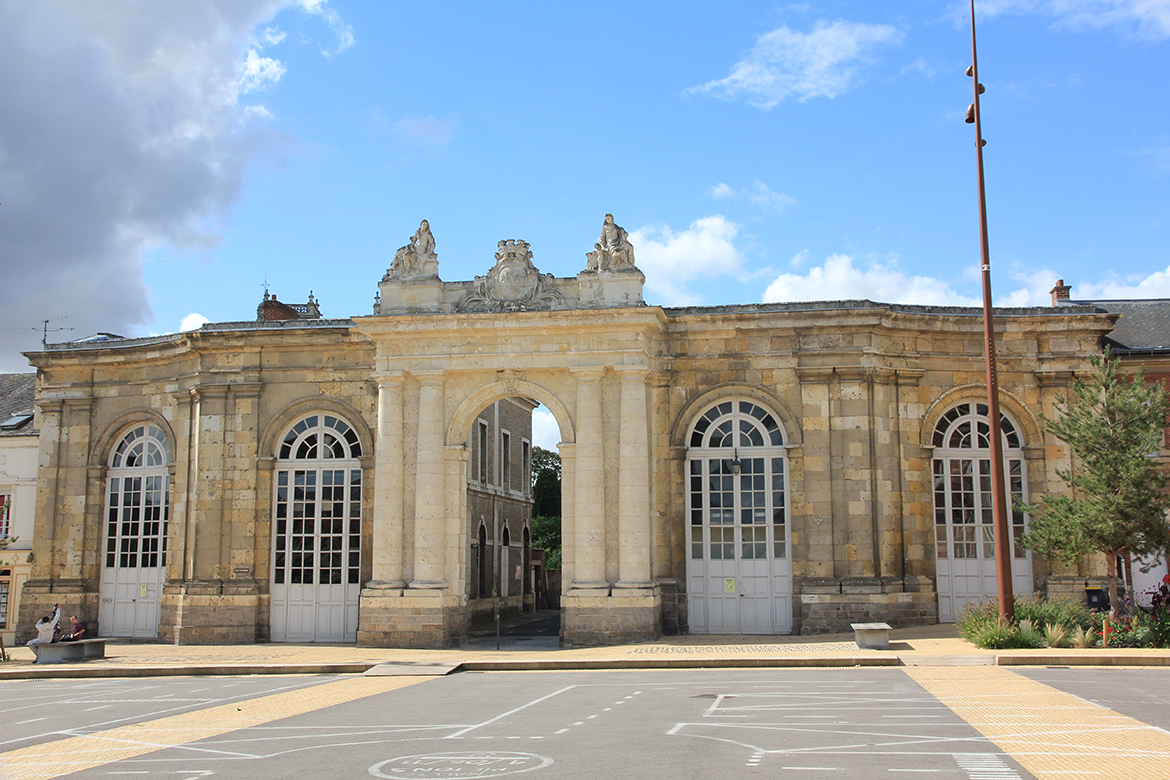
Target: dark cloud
<point x="121" y="128"/>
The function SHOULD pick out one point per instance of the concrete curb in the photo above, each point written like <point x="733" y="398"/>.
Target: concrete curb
<point x="219" y="670"/>
<point x="1082" y="660"/>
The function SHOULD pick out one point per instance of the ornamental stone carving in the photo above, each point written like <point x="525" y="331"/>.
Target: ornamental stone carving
<point x="514" y="284"/>
<point x="613" y="251"/>
<point x="417" y="259"/>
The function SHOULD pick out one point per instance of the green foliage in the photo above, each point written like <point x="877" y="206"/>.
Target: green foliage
<point x="546" y="535"/>
<point x="1083" y="637"/>
<point x="545" y="460"/>
<point x="1159" y="620"/>
<point x="1055" y="635"/>
<point x="1061" y="610"/>
<point x="1118" y="497"/>
<point x="980" y="624"/>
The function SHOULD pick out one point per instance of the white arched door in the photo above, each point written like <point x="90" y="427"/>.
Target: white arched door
<point x="135" y="553"/>
<point x="316" y="532"/>
<point x="964" y="533"/>
<point x="739" y="572"/>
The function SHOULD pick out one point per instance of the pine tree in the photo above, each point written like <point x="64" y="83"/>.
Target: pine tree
<point x="1118" y="499"/>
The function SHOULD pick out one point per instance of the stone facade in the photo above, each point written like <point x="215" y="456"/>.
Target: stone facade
<point x="853" y="393"/>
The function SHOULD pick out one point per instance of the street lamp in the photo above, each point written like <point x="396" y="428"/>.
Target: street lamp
<point x="1003" y="542"/>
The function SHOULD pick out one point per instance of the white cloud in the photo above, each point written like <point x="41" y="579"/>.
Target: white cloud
<point x="193" y="321"/>
<point x="721" y="191"/>
<point x="825" y="62"/>
<point x="1155" y="285"/>
<point x="272" y="36"/>
<point x="343" y="31"/>
<point x="151" y="148"/>
<point x="259" y="72"/>
<point x="759" y="195"/>
<point x="673" y="260"/>
<point x="919" y="66"/>
<point x="426" y="131"/>
<point x="1139" y="18"/>
<point x="838" y="279"/>
<point x="545" y="431"/>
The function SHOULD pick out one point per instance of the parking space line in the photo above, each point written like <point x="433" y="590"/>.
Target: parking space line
<point x="74" y="754"/>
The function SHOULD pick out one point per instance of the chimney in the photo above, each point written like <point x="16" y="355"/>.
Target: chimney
<point x="1060" y="293"/>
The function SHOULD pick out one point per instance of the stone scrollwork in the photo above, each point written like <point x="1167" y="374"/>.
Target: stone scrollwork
<point x="416" y="259"/>
<point x="613" y="251"/>
<point x="513" y="284"/>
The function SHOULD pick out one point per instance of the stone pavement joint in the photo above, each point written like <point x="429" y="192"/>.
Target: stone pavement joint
<point x="1056" y="734"/>
<point x="74" y="754"/>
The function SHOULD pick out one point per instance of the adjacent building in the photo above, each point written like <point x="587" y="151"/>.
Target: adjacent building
<point x="19" y="444"/>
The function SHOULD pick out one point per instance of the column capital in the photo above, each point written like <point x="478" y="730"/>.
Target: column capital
<point x="389" y="378"/>
<point x="588" y="373"/>
<point x="430" y="377"/>
<point x="632" y="373"/>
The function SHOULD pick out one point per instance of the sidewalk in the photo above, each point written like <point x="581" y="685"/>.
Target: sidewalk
<point x="937" y="645"/>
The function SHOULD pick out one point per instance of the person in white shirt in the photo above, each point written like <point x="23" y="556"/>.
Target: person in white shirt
<point x="46" y="628"/>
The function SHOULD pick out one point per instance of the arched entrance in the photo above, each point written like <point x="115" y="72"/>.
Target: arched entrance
<point x="316" y="532"/>
<point x="964" y="533"/>
<point x="739" y="570"/>
<point x="135" y="559"/>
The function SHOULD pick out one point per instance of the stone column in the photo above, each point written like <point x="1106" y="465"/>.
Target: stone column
<point x="429" y="492"/>
<point x="388" y="486"/>
<point x="589" y="490"/>
<point x="634" y="481"/>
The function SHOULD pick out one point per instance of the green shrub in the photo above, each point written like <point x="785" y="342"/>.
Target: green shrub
<point x="1083" y="637"/>
<point x="979" y="624"/>
<point x="1055" y="634"/>
<point x="1061" y="610"/>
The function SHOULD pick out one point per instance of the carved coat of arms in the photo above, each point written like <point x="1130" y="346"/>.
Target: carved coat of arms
<point x="513" y="284"/>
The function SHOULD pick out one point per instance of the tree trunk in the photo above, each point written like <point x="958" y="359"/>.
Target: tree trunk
<point x="1111" y="573"/>
<point x="1127" y="564"/>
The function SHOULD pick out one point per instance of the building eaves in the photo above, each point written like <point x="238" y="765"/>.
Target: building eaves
<point x="18" y="397"/>
<point x="1143" y="328"/>
<point x="864" y="305"/>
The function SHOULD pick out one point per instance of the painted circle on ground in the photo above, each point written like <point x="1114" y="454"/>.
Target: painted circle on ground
<point x="456" y="766"/>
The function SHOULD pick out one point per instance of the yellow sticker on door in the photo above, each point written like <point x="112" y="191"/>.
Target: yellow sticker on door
<point x="142" y="591"/>
<point x="729" y="585"/>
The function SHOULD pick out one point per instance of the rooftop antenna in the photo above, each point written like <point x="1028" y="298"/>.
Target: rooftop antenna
<point x="45" y="329"/>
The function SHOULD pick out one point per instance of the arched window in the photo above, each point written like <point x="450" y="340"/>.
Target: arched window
<point x="136" y="531"/>
<point x="137" y="508"/>
<point x="738" y="521"/>
<point x="964" y="529"/>
<point x="317" y="531"/>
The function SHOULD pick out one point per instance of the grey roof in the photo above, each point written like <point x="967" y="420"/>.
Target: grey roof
<point x="1144" y="325"/>
<point x="17" y="395"/>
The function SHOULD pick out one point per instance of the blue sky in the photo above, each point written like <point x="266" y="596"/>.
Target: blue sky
<point x="160" y="161"/>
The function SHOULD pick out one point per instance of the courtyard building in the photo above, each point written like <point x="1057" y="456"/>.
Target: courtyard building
<point x="749" y="469"/>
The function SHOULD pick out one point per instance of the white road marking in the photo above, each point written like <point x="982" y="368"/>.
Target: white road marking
<point x="511" y="712"/>
<point x="34" y="720"/>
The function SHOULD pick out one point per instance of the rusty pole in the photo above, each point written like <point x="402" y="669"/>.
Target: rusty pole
<point x="1003" y="539"/>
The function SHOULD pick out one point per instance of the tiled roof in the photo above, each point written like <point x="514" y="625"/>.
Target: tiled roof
<point x="1144" y="324"/>
<point x="17" y="393"/>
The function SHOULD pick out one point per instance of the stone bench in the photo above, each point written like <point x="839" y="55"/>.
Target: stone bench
<point x="79" y="650"/>
<point x="871" y="636"/>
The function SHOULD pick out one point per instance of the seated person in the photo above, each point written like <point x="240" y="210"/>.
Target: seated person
<point x="76" y="630"/>
<point x="46" y="629"/>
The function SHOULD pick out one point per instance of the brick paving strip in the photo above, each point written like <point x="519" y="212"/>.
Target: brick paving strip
<point x="74" y="754"/>
<point x="1050" y="733"/>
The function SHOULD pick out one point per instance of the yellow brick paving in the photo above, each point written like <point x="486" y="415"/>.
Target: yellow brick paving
<point x="73" y="754"/>
<point x="1050" y="733"/>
